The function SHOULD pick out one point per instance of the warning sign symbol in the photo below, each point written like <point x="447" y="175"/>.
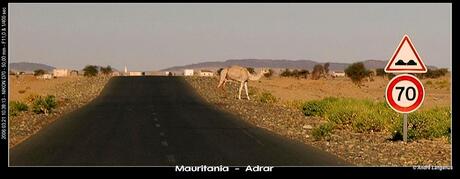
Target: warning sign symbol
<point x="405" y="59"/>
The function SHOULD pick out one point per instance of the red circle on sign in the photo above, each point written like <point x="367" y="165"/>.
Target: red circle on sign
<point x="420" y="90"/>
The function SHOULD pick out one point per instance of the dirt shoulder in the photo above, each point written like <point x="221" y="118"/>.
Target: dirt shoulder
<point x="362" y="149"/>
<point x="71" y="93"/>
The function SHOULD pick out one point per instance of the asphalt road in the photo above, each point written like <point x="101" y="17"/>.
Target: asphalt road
<point x="157" y="121"/>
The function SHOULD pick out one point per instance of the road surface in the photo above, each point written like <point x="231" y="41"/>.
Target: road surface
<point x="157" y="121"/>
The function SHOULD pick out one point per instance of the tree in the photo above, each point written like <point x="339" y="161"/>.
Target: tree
<point x="318" y="70"/>
<point x="326" y="68"/>
<point x="39" y="72"/>
<point x="304" y="73"/>
<point x="107" y="70"/>
<point x="286" y="73"/>
<point x="90" y="70"/>
<point x="357" y="72"/>
<point x="269" y="74"/>
<point x="295" y="73"/>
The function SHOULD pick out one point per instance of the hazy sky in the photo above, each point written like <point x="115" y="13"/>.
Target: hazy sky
<point x="156" y="36"/>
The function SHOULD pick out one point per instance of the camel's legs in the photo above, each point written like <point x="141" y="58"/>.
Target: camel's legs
<point x="246" y="88"/>
<point x="239" y="91"/>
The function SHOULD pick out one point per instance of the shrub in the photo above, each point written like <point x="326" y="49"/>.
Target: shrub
<point x="369" y="116"/>
<point x="267" y="97"/>
<point x="269" y="74"/>
<point x="433" y="73"/>
<point x="326" y="68"/>
<point x="106" y="70"/>
<point x="44" y="105"/>
<point x="357" y="72"/>
<point x="426" y="124"/>
<point x="90" y="70"/>
<point x="323" y="131"/>
<point x="380" y="72"/>
<point x="39" y="72"/>
<point x="318" y="70"/>
<point x="15" y="107"/>
<point x="317" y="107"/>
<point x="285" y="73"/>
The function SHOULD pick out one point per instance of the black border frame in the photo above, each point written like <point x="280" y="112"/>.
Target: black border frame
<point x="277" y="171"/>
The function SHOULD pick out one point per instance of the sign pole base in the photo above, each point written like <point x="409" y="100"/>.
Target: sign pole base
<point x="405" y="128"/>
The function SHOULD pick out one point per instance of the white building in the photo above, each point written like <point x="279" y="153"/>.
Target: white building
<point x="136" y="73"/>
<point x="206" y="73"/>
<point x="188" y="72"/>
<point x="61" y="72"/>
<point x="338" y="74"/>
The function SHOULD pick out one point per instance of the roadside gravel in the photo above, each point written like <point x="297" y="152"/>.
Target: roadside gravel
<point x="70" y="95"/>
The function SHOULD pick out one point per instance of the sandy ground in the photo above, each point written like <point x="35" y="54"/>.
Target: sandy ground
<point x="438" y="91"/>
<point x="24" y="85"/>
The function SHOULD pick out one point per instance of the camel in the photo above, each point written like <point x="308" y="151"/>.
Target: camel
<point x="239" y="74"/>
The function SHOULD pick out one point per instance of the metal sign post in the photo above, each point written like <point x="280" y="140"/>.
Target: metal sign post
<point x="405" y="128"/>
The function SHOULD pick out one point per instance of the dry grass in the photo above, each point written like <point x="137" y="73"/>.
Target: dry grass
<point x="24" y="85"/>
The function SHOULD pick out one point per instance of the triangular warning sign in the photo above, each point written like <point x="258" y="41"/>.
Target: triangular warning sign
<point x="405" y="59"/>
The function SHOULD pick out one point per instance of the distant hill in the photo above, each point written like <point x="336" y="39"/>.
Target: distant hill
<point x="29" y="67"/>
<point x="259" y="63"/>
<point x="276" y="64"/>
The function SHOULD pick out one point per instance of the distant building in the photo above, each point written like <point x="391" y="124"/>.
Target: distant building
<point x="116" y="73"/>
<point x="61" y="72"/>
<point x="188" y="72"/>
<point x="338" y="74"/>
<point x="136" y="73"/>
<point x="206" y="73"/>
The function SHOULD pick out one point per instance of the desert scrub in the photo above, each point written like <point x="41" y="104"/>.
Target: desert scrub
<point x="425" y="124"/>
<point x="323" y="131"/>
<point x="375" y="116"/>
<point x="317" y="107"/>
<point x="16" y="107"/>
<point x="267" y="97"/>
<point x="44" y="104"/>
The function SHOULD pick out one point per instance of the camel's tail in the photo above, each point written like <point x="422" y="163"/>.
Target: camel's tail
<point x="223" y="75"/>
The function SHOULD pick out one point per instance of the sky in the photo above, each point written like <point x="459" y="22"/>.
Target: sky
<point x="156" y="36"/>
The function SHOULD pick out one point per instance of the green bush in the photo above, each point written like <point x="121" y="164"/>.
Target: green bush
<point x="426" y="124"/>
<point x="323" y="131"/>
<point x="15" y="107"/>
<point x="317" y="107"/>
<point x="369" y="116"/>
<point x="357" y="72"/>
<point x="44" y="105"/>
<point x="90" y="70"/>
<point x="267" y="97"/>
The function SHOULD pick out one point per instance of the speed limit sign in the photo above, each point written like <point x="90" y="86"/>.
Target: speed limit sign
<point x="405" y="93"/>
